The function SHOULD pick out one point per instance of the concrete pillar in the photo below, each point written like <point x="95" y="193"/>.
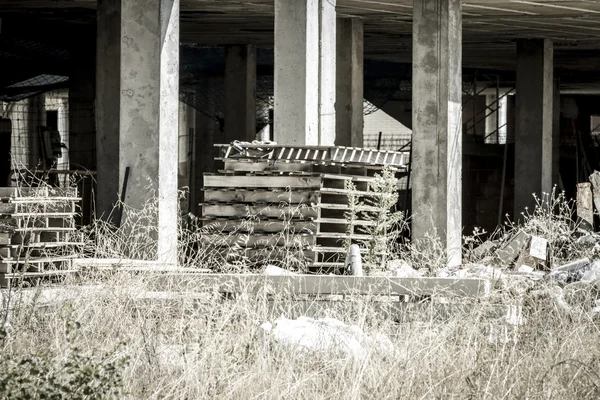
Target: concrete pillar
<point x="534" y="122"/>
<point x="349" y="83"/>
<point x="207" y="129"/>
<point x="82" y="109"/>
<point x="187" y="124"/>
<point x="305" y="57"/>
<point x="556" y="134"/>
<point x="240" y="94"/>
<point x="137" y="99"/>
<point x="437" y="125"/>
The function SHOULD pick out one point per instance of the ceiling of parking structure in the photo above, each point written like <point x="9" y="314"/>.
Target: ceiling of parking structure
<point x="490" y="27"/>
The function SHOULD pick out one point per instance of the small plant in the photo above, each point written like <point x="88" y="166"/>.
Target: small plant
<point x="379" y="220"/>
<point x="44" y="375"/>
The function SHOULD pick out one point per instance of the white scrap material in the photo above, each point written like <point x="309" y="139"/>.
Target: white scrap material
<point x="272" y="270"/>
<point x="538" y="248"/>
<point x="404" y="270"/>
<point x="327" y="335"/>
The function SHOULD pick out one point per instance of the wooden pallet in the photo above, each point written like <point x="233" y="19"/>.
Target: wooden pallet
<point x="323" y="154"/>
<point x="281" y="202"/>
<point x="38" y="236"/>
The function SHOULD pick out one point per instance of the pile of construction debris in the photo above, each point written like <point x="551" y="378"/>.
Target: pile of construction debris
<point x="550" y="254"/>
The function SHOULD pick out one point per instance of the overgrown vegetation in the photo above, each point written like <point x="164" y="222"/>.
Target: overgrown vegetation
<point x="383" y="226"/>
<point x="143" y="336"/>
<point x="198" y="345"/>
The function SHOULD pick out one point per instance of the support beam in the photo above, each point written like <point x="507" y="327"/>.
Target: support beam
<point x="240" y="93"/>
<point x="556" y="179"/>
<point x="138" y="98"/>
<point x="305" y="33"/>
<point x="82" y="111"/>
<point x="437" y="125"/>
<point x="349" y="83"/>
<point x="534" y="122"/>
<point x="207" y="129"/>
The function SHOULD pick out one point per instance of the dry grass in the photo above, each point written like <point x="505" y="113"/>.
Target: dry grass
<point x="202" y="346"/>
<point x="143" y="339"/>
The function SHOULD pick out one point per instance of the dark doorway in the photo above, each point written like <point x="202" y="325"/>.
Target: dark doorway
<point x="52" y="120"/>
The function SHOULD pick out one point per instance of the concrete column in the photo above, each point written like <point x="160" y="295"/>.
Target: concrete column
<point x="82" y="111"/>
<point x="437" y="125"/>
<point x="138" y="98"/>
<point x="240" y="94"/>
<point x="203" y="161"/>
<point x="305" y="57"/>
<point x="556" y="134"/>
<point x="327" y="71"/>
<point x="534" y="122"/>
<point x="349" y="83"/>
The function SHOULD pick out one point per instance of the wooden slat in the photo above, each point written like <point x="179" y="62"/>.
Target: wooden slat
<point x="261" y="196"/>
<point x="274" y="211"/>
<point x="262" y="181"/>
<point x="258" y="240"/>
<point x="272" y="226"/>
<point x="261" y="166"/>
<point x="315" y="284"/>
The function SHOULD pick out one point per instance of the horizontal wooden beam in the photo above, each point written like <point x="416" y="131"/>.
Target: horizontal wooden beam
<point x="320" y="284"/>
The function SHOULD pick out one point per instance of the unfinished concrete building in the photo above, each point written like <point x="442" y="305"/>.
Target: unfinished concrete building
<point x="501" y="96"/>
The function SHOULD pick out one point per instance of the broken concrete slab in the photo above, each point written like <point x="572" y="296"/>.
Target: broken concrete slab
<point x="484" y="249"/>
<point x="515" y="247"/>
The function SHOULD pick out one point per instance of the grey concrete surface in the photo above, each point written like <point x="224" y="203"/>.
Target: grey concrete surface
<point x="145" y="36"/>
<point x="305" y="72"/>
<point x="349" y="83"/>
<point x="437" y="124"/>
<point x="534" y="121"/>
<point x="240" y="93"/>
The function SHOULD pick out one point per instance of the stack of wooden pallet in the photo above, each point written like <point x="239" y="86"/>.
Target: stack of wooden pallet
<point x="273" y="202"/>
<point x="38" y="237"/>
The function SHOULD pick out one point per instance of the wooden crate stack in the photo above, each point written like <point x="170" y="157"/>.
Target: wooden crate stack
<point x="38" y="237"/>
<point x="272" y="202"/>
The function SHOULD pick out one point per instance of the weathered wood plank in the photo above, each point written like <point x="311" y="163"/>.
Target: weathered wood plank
<point x="270" y="226"/>
<point x="282" y="181"/>
<point x="261" y="196"/>
<point x="258" y="240"/>
<point x="273" y="211"/>
<point x="315" y="284"/>
<point x="262" y="166"/>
